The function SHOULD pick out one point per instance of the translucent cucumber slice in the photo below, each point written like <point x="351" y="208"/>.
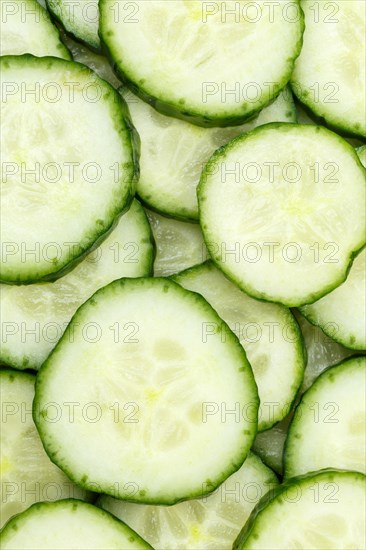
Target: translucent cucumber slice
<point x="322" y="351"/>
<point x="34" y="317"/>
<point x="323" y="510"/>
<point x="179" y="245"/>
<point x="174" y="54"/>
<point x="69" y="525"/>
<point x="153" y="401"/>
<point x="329" y="426"/>
<point x="329" y="75"/>
<point x="269" y="445"/>
<point x="173" y="152"/>
<point x="95" y="61"/>
<point x="27" y="474"/>
<point x="50" y="172"/>
<point x="268" y="333"/>
<point x="80" y="19"/>
<point x="25" y="27"/>
<point x="212" y="522"/>
<point x="282" y="211"/>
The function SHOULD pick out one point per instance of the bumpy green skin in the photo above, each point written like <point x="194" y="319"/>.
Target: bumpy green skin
<point x="130" y="138"/>
<point x="327" y="475"/>
<point x="46" y="371"/>
<point x="166" y="107"/>
<point x="41" y="507"/>
<point x="79" y="37"/>
<point x="221" y="153"/>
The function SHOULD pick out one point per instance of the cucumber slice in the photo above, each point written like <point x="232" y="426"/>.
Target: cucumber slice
<point x="329" y="425"/>
<point x="154" y="401"/>
<point x="324" y="510"/>
<point x="174" y="54"/>
<point x="173" y="152"/>
<point x="322" y="352"/>
<point x="272" y="217"/>
<point x="342" y="313"/>
<point x="27" y="474"/>
<point x="268" y="332"/>
<point x="211" y="522"/>
<point x="82" y="186"/>
<point x="179" y="245"/>
<point x="329" y="76"/>
<point x="68" y="525"/>
<point x="80" y="19"/>
<point x="34" y="317"/>
<point x="25" y="27"/>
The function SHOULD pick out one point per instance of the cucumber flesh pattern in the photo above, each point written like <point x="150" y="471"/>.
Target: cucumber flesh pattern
<point x="47" y="308"/>
<point x="80" y="217"/>
<point x="171" y="56"/>
<point x="328" y="428"/>
<point x="277" y="359"/>
<point x="321" y="510"/>
<point x="67" y="525"/>
<point x="241" y="216"/>
<point x="27" y="474"/>
<point x="211" y="522"/>
<point x="154" y="369"/>
<point x="26" y="28"/>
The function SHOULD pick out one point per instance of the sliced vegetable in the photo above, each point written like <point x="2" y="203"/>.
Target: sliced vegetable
<point x="34" y="317"/>
<point x="173" y="152"/>
<point x="27" y="28"/>
<point x="268" y="333"/>
<point x="179" y="245"/>
<point x="80" y="19"/>
<point x="27" y="474"/>
<point x="329" y="75"/>
<point x="318" y="511"/>
<point x="174" y="54"/>
<point x="66" y="525"/>
<point x="49" y="173"/>
<point x="211" y="522"/>
<point x="154" y="419"/>
<point x="282" y="211"/>
<point x="329" y="425"/>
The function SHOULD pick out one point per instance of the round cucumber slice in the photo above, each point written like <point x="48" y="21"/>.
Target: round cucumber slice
<point x="328" y="428"/>
<point x="329" y="75"/>
<point x="174" y="54"/>
<point x="153" y="419"/>
<point x="268" y="332"/>
<point x="66" y="525"/>
<point x="27" y="28"/>
<point x="27" y="474"/>
<point x="80" y="19"/>
<point x="361" y="151"/>
<point x="50" y="173"/>
<point x="282" y="211"/>
<point x="173" y="152"/>
<point x="322" y="510"/>
<point x="34" y="317"/>
<point x="210" y="522"/>
<point x="179" y="245"/>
